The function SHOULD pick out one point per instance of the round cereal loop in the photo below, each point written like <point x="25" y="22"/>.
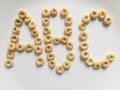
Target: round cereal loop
<point x="66" y="64"/>
<point x="46" y="30"/>
<point x="110" y="57"/>
<point x="38" y="41"/>
<point x="45" y="21"/>
<point x="29" y="48"/>
<point x="18" y="22"/>
<point x="56" y="40"/>
<point x="40" y="61"/>
<point x="68" y="21"/>
<point x="34" y="33"/>
<point x="38" y="49"/>
<point x="53" y="12"/>
<point x="16" y="30"/>
<point x="84" y="55"/>
<point x="32" y="25"/>
<point x="97" y="65"/>
<point x="10" y="55"/>
<point x="48" y="48"/>
<point x="86" y="19"/>
<point x="102" y="15"/>
<point x="52" y="64"/>
<point x="94" y="14"/>
<point x="83" y="46"/>
<point x="48" y="39"/>
<point x="89" y="62"/>
<point x="64" y="39"/>
<point x="14" y="38"/>
<point x="22" y="14"/>
<point x="82" y="26"/>
<point x="20" y="47"/>
<point x="8" y="63"/>
<point x="11" y="47"/>
<point x="64" y="12"/>
<point x="70" y="56"/>
<point x="28" y="20"/>
<point x="83" y="36"/>
<point x="69" y="45"/>
<point x="105" y="63"/>
<point x="59" y="69"/>
<point x="46" y="13"/>
<point x="50" y="56"/>
<point x="107" y="20"/>
<point x="68" y="31"/>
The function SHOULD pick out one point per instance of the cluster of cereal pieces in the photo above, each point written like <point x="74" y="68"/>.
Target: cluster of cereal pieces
<point x="50" y="40"/>
<point x="15" y="45"/>
<point x="85" y="56"/>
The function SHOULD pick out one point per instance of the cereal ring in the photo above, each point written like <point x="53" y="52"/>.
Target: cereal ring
<point x="82" y="26"/>
<point x="94" y="14"/>
<point x="97" y="65"/>
<point x="40" y="61"/>
<point x="70" y="56"/>
<point x="56" y="40"/>
<point x="64" y="39"/>
<point x="50" y="56"/>
<point x="38" y="41"/>
<point x="16" y="30"/>
<point x="89" y="62"/>
<point x="34" y="33"/>
<point x="102" y="15"/>
<point x="32" y="25"/>
<point x="28" y="20"/>
<point x="20" y="47"/>
<point x="83" y="46"/>
<point x="83" y="36"/>
<point x="10" y="55"/>
<point x="110" y="57"/>
<point x="64" y="13"/>
<point x="68" y="31"/>
<point x="29" y="48"/>
<point x="46" y="30"/>
<point x="107" y="20"/>
<point x="66" y="64"/>
<point x="45" y="21"/>
<point x="38" y="49"/>
<point x="59" y="69"/>
<point x="86" y="19"/>
<point x="68" y="21"/>
<point x="22" y="14"/>
<point x="18" y="22"/>
<point x="53" y="12"/>
<point x="11" y="47"/>
<point x="8" y="63"/>
<point x="105" y="63"/>
<point x="84" y="55"/>
<point x="48" y="48"/>
<point x="46" y="13"/>
<point x="48" y="39"/>
<point x="69" y="45"/>
<point x="52" y="64"/>
<point x="14" y="38"/>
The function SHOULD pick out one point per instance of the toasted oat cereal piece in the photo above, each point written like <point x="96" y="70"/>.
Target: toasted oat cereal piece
<point x="11" y="47"/>
<point x="89" y="62"/>
<point x="48" y="48"/>
<point x="46" y="13"/>
<point x="68" y="21"/>
<point x="53" y="12"/>
<point x="45" y="21"/>
<point x="20" y="47"/>
<point x="22" y="14"/>
<point x="84" y="55"/>
<point x="48" y="39"/>
<point x="16" y="30"/>
<point x="46" y="30"/>
<point x="83" y="36"/>
<point x="86" y="19"/>
<point x="110" y="57"/>
<point x="56" y="40"/>
<point x="105" y="63"/>
<point x="70" y="56"/>
<point x="28" y="20"/>
<point x="8" y="63"/>
<point x="59" y="69"/>
<point x="18" y="22"/>
<point x="102" y="15"/>
<point x="38" y="49"/>
<point x="64" y="39"/>
<point x="52" y="64"/>
<point x="107" y="20"/>
<point x="83" y="46"/>
<point x="64" y="12"/>
<point x="82" y="26"/>
<point x="40" y="61"/>
<point x="66" y="64"/>
<point x="69" y="45"/>
<point x="68" y="31"/>
<point x="29" y="48"/>
<point x="10" y="55"/>
<point x="97" y="65"/>
<point x="32" y="25"/>
<point x="50" y="56"/>
<point x="14" y="38"/>
<point x="38" y="41"/>
<point x="94" y="14"/>
<point x="34" y="33"/>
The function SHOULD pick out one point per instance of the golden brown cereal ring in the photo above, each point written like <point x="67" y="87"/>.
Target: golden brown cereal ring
<point x="18" y="22"/>
<point x="34" y="33"/>
<point x="102" y="15"/>
<point x="38" y="41"/>
<point x="89" y="62"/>
<point x="38" y="49"/>
<point x="10" y="55"/>
<point x="53" y="12"/>
<point x="59" y="69"/>
<point x="66" y="64"/>
<point x="22" y="14"/>
<point x="94" y="14"/>
<point x="84" y="55"/>
<point x="64" y="39"/>
<point x="56" y="40"/>
<point x="52" y="64"/>
<point x="14" y="38"/>
<point x="69" y="45"/>
<point x="29" y="48"/>
<point x="28" y="19"/>
<point x="83" y="46"/>
<point x="70" y="56"/>
<point x="16" y="30"/>
<point x="46" y="13"/>
<point x="86" y="19"/>
<point x="8" y="63"/>
<point x="64" y="13"/>
<point x="40" y="61"/>
<point x="32" y="25"/>
<point x="110" y="57"/>
<point x="105" y="63"/>
<point x="48" y="48"/>
<point x="48" y="39"/>
<point x="97" y="65"/>
<point x="82" y="26"/>
<point x="68" y="21"/>
<point x="68" y="31"/>
<point x="50" y="56"/>
<point x="107" y="20"/>
<point x="20" y="47"/>
<point x="11" y="47"/>
<point x="46" y="30"/>
<point x="45" y="21"/>
<point x="83" y="36"/>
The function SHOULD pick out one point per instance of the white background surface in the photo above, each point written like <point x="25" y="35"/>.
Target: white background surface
<point x="26" y="76"/>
